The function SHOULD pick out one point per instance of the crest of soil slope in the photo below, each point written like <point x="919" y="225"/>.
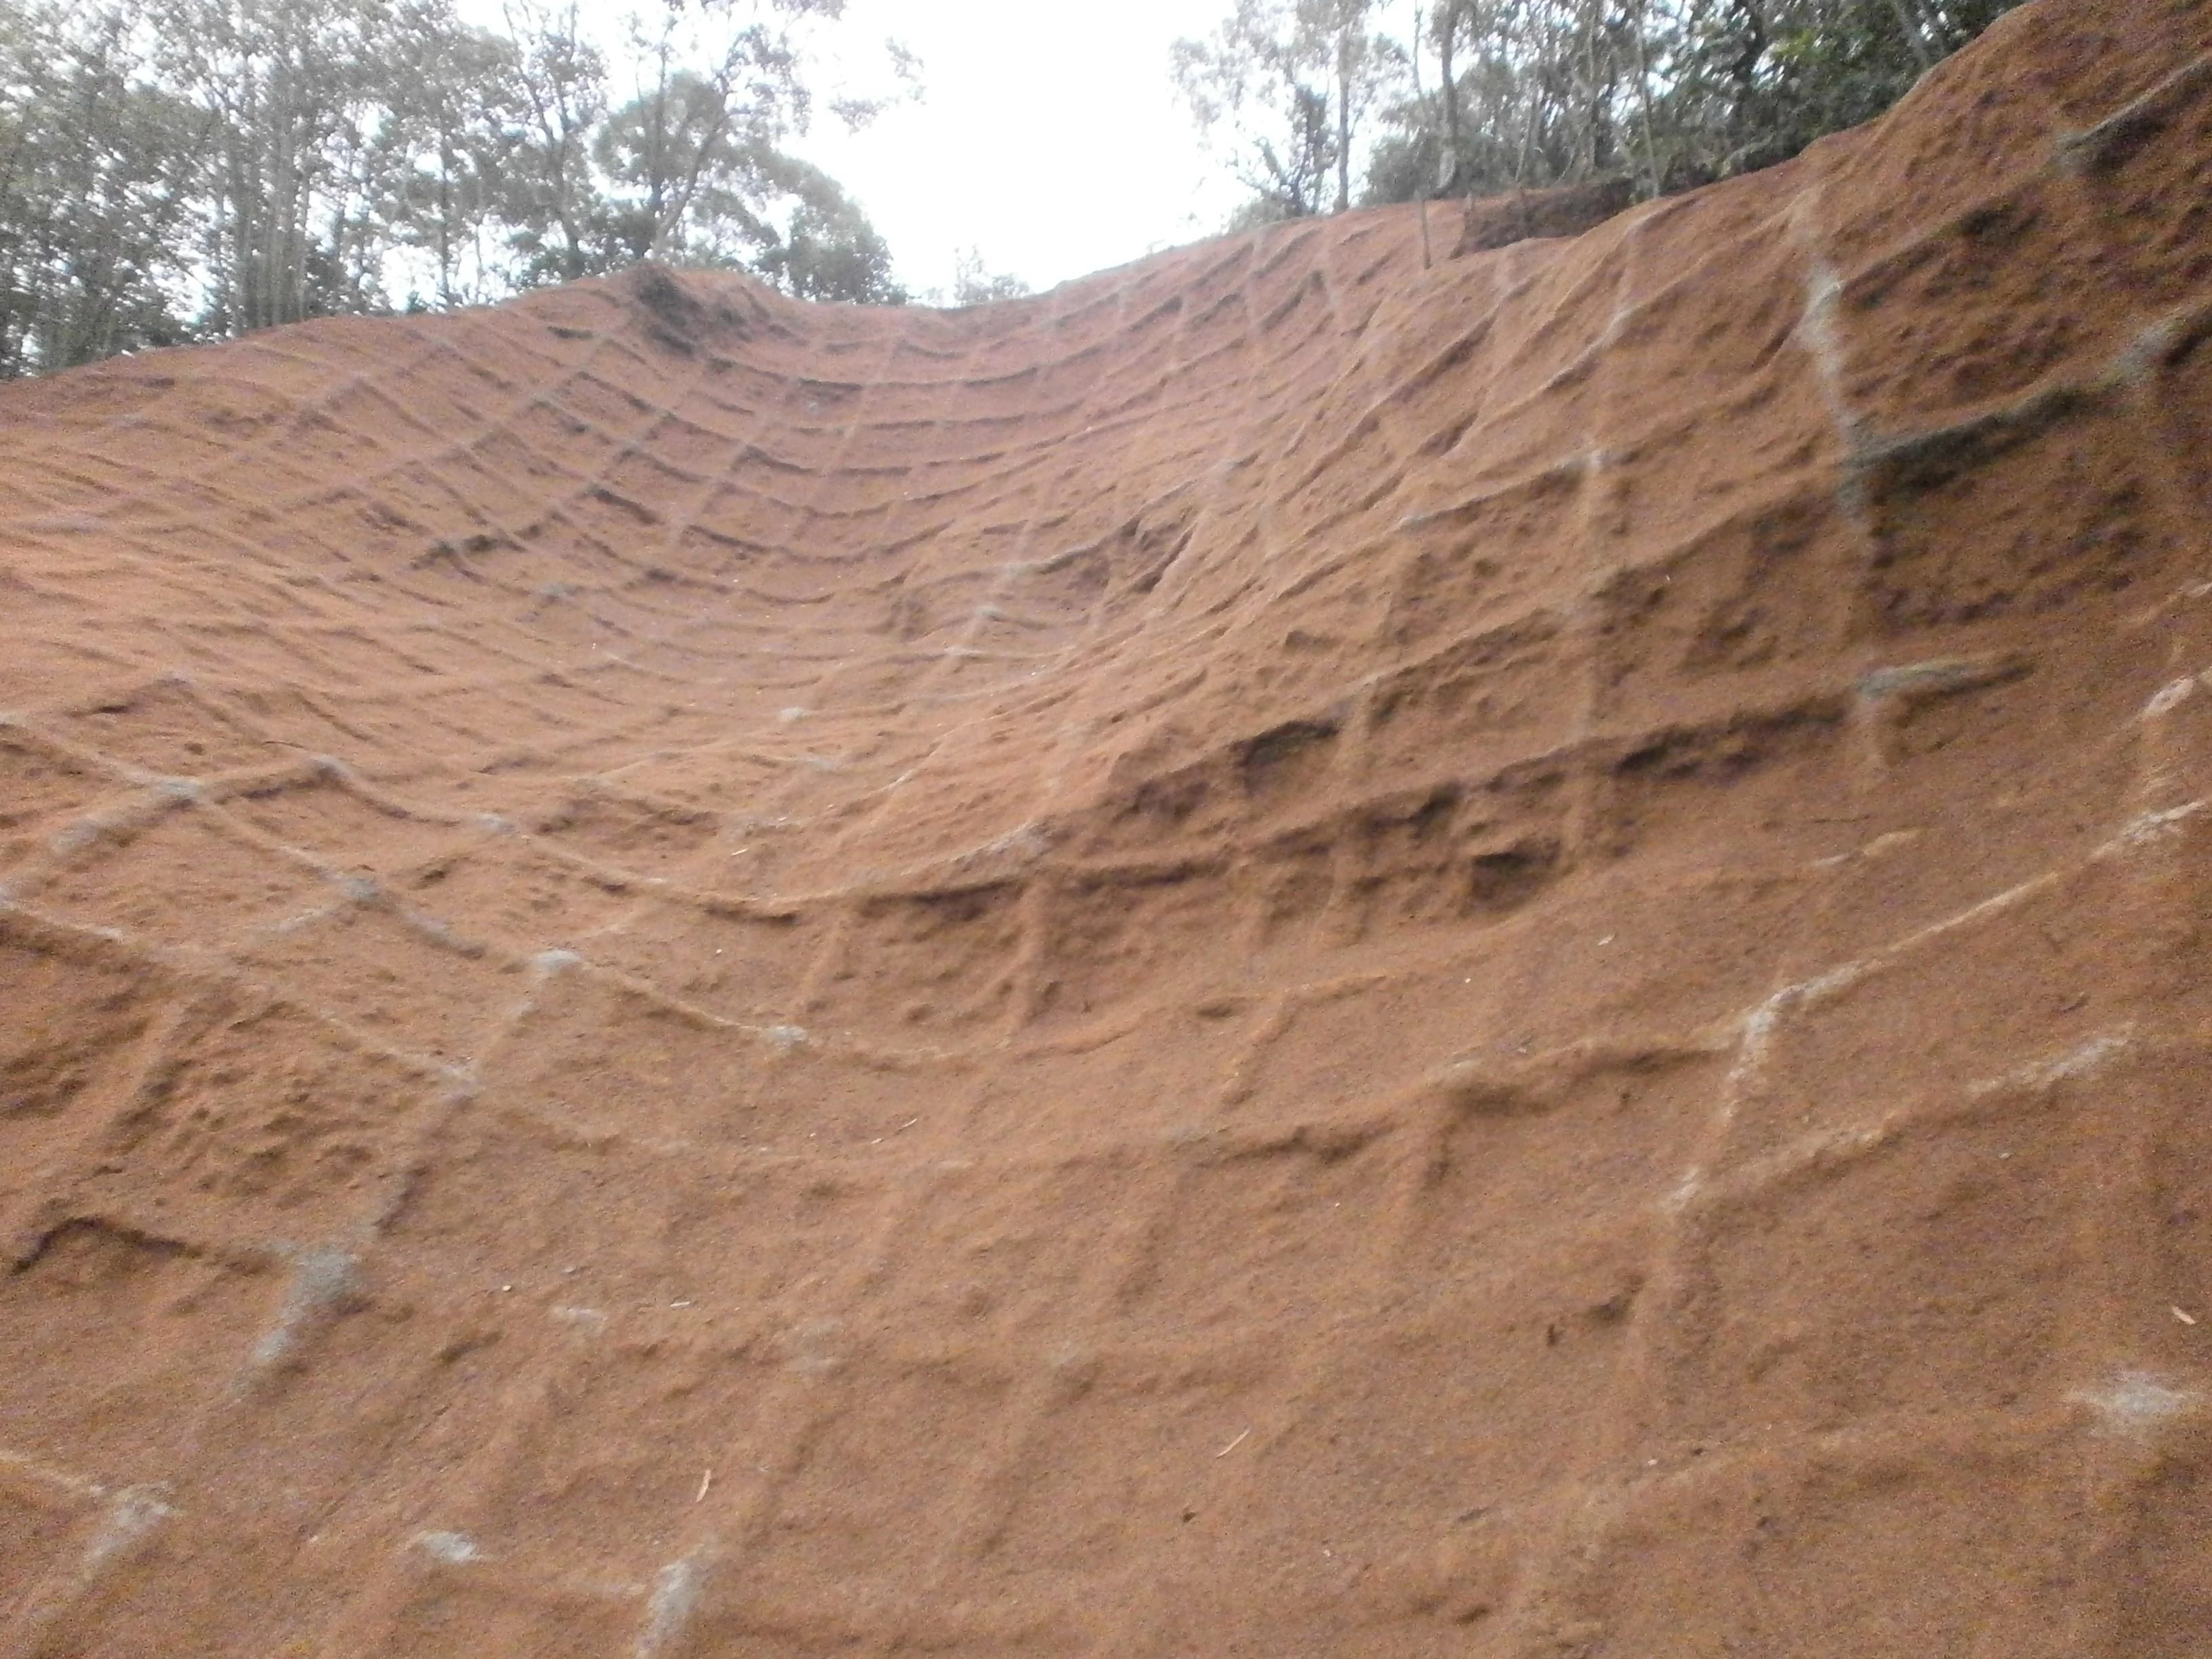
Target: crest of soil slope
<point x="1278" y="954"/>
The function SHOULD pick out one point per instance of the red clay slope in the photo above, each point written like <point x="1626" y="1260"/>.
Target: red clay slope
<point x="1278" y="954"/>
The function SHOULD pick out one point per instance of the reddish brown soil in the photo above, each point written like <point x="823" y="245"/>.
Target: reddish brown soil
<point x="1496" y="221"/>
<point x="1277" y="955"/>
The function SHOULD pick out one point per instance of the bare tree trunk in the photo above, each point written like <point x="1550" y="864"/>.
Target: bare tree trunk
<point x="1913" y="36"/>
<point x="1449" y="31"/>
<point x="1591" y="99"/>
<point x="1527" y="131"/>
<point x="446" y="298"/>
<point x="1637" y="18"/>
<point x="1343" y="118"/>
<point x="1745" y="67"/>
<point x="1428" y="179"/>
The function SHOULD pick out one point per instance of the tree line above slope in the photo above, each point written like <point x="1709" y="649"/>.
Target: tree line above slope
<point x="1316" y="107"/>
<point x="182" y="170"/>
<point x="178" y="170"/>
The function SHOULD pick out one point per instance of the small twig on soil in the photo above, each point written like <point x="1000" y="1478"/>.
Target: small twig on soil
<point x="705" y="1481"/>
<point x="1233" y="1444"/>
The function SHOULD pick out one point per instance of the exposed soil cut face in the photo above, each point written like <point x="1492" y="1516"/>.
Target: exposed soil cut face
<point x="1496" y="221"/>
<point x="1278" y="954"/>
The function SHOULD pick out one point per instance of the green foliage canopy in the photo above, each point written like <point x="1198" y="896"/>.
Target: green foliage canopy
<point x="174" y="170"/>
<point x="1499" y="94"/>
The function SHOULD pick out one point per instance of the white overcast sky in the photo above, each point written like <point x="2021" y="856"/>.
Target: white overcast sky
<point x="1048" y="138"/>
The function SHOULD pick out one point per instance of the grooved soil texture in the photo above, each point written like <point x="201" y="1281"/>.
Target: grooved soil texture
<point x="1283" y="953"/>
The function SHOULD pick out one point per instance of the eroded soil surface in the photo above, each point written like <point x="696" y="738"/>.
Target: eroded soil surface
<point x="1279" y="954"/>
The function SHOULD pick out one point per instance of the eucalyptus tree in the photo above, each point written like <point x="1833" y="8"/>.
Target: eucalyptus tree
<point x="95" y="171"/>
<point x="1288" y="84"/>
<point x="1672" y="93"/>
<point x="549" y="194"/>
<point x="699" y="166"/>
<point x="455" y="119"/>
<point x="816" y="244"/>
<point x="720" y="90"/>
<point x="974" y="283"/>
<point x="295" y="93"/>
<point x="177" y="169"/>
